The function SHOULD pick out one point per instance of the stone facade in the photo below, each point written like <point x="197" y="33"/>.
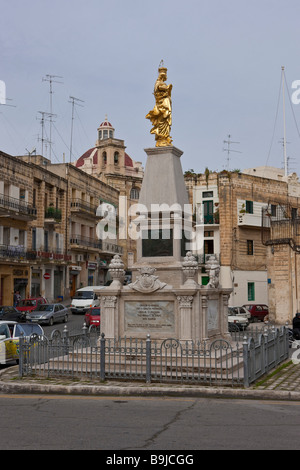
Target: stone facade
<point x="109" y="162"/>
<point x="258" y="273"/>
<point x="48" y="217"/>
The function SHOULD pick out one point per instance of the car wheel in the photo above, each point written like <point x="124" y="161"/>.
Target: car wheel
<point x="51" y="321"/>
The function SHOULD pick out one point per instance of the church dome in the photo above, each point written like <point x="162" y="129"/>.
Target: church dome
<point x="91" y="153"/>
<point x="105" y="130"/>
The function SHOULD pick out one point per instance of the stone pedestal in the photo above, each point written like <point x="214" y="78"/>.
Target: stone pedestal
<point x="164" y="298"/>
<point x="164" y="205"/>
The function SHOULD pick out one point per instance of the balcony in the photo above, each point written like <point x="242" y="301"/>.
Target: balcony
<point x="78" y="206"/>
<point x="16" y="208"/>
<point x="79" y="241"/>
<point x="16" y="253"/>
<point x="112" y="248"/>
<point x="52" y="215"/>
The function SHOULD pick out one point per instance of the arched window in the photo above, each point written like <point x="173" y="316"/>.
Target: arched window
<point x="104" y="158"/>
<point x="134" y="193"/>
<point x="116" y="158"/>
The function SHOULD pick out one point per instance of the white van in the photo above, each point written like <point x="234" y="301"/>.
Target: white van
<point x="84" y="299"/>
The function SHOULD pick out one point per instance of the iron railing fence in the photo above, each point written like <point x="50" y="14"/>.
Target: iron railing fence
<point x="93" y="357"/>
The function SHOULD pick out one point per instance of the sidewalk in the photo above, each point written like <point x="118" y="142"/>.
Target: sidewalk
<point x="282" y="384"/>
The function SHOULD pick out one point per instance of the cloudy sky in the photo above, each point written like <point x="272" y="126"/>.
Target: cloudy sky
<point x="224" y="60"/>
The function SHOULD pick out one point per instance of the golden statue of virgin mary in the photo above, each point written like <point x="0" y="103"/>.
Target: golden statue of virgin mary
<point x="161" y="114"/>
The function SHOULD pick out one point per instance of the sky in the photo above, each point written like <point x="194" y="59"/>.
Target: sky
<point x="224" y="60"/>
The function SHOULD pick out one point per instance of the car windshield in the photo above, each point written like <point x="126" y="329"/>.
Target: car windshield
<point x="45" y="308"/>
<point x="28" y="329"/>
<point x="94" y="311"/>
<point x="27" y="303"/>
<point x="83" y="295"/>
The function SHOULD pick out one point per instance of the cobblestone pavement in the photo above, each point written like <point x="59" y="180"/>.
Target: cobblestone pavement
<point x="286" y="377"/>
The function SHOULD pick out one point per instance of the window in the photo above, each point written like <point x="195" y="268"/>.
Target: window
<point x="208" y="247"/>
<point x="294" y="213"/>
<point x="273" y="210"/>
<point x="207" y="194"/>
<point x="249" y="247"/>
<point x="134" y="193"/>
<point x="208" y="207"/>
<point x="105" y="134"/>
<point x="249" y="207"/>
<point x="251" y="291"/>
<point x="104" y="158"/>
<point x="116" y="158"/>
<point x="34" y="239"/>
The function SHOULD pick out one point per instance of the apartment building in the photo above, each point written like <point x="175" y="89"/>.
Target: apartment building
<point x="17" y="212"/>
<point x="90" y="255"/>
<point x="109" y="162"/>
<point x="48" y="220"/>
<point x="228" y="208"/>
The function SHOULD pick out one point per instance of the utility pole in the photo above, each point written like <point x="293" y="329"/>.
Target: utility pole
<point x="73" y="102"/>
<point x="50" y="79"/>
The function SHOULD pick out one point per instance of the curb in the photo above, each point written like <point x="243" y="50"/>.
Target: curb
<point x="146" y="391"/>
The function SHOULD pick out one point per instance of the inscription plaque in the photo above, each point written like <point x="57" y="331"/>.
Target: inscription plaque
<point x="149" y="316"/>
<point x="212" y="314"/>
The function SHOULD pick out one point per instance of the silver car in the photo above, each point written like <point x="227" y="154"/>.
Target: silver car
<point x="49" y="313"/>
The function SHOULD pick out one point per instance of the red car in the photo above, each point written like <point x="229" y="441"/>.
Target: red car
<point x="258" y="311"/>
<point x="30" y="304"/>
<point x="92" y="316"/>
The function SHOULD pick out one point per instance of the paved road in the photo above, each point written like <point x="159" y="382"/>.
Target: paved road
<point x="125" y="423"/>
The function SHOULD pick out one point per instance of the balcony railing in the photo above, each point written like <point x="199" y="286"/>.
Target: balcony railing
<point x="86" y="241"/>
<point x="11" y="203"/>
<point x="80" y="205"/>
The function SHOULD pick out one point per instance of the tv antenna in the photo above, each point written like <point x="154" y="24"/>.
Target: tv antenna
<point x="43" y="115"/>
<point x="31" y="152"/>
<point x="50" y="79"/>
<point x="74" y="101"/>
<point x="229" y="149"/>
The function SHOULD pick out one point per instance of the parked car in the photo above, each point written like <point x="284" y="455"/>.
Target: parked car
<point x="10" y="313"/>
<point x="85" y="298"/>
<point x="49" y="313"/>
<point x="92" y="316"/>
<point x="237" y="322"/>
<point x="30" y="304"/>
<point x="10" y="332"/>
<point x="239" y="311"/>
<point x="257" y="311"/>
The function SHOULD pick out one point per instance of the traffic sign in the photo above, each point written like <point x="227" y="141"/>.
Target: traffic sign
<point x="47" y="276"/>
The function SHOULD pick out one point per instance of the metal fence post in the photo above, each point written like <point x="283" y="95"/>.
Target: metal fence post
<point x="66" y="342"/>
<point x="21" y="343"/>
<point x="102" y="357"/>
<point x="246" y="362"/>
<point x="148" y="359"/>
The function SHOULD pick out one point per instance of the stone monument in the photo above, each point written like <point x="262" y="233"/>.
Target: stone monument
<point x="164" y="298"/>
